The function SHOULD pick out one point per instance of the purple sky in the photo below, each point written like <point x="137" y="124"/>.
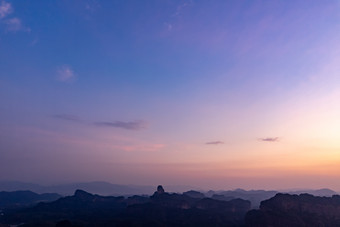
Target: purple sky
<point x="213" y="94"/>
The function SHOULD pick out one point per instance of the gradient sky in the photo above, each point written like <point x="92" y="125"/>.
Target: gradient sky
<point x="213" y="94"/>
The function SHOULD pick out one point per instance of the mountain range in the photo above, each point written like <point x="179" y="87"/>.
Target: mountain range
<point x="191" y="208"/>
<point x="19" y="199"/>
<point x="95" y="187"/>
<point x="160" y="209"/>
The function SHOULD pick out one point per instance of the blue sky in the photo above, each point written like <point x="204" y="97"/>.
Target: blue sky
<point x="220" y="93"/>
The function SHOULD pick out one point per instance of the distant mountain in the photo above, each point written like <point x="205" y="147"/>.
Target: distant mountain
<point x="256" y="196"/>
<point x="105" y="188"/>
<point x="181" y="188"/>
<point x="318" y="192"/>
<point x="296" y="210"/>
<point x="161" y="209"/>
<point x="194" y="194"/>
<point x="19" y="199"/>
<point x="11" y="186"/>
<point x="98" y="187"/>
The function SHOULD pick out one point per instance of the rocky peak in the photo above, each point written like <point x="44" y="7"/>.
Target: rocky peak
<point x="160" y="189"/>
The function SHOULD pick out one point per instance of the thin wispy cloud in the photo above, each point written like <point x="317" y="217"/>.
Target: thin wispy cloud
<point x="92" y="5"/>
<point x="269" y="139"/>
<point x="5" y="9"/>
<point x="168" y="26"/>
<point x="171" y="23"/>
<point x="214" y="142"/>
<point x="15" y="24"/>
<point x="65" y="74"/>
<point x="67" y="117"/>
<point x="34" y="42"/>
<point x="130" y="125"/>
<point x="181" y="7"/>
<point x="11" y="24"/>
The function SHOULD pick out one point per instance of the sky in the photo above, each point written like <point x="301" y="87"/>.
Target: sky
<point x="218" y="94"/>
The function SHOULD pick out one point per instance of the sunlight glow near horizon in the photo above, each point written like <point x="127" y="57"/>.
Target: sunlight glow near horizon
<point x="226" y="94"/>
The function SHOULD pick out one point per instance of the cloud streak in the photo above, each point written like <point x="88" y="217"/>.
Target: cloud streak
<point x="130" y="125"/>
<point x="214" y="143"/>
<point x="269" y="139"/>
<point x="65" y="74"/>
<point x="142" y="147"/>
<point x="67" y="117"/>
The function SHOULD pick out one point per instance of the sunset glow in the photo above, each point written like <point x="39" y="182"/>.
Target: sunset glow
<point x="211" y="94"/>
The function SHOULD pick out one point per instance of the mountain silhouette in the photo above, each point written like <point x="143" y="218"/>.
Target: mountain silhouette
<point x="160" y="209"/>
<point x="191" y="208"/>
<point x="18" y="199"/>
<point x="296" y="210"/>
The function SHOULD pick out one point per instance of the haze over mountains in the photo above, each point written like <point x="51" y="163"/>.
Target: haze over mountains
<point x="192" y="208"/>
<point x="26" y="193"/>
<point x="106" y="188"/>
<point x="19" y="199"/>
<point x="96" y="187"/>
